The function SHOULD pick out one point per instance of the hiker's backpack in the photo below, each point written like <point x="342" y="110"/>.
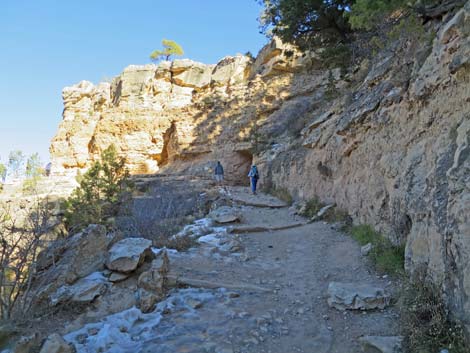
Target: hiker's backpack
<point x="255" y="174"/>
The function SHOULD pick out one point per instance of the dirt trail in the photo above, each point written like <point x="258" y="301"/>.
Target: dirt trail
<point x="297" y="264"/>
<point x="292" y="266"/>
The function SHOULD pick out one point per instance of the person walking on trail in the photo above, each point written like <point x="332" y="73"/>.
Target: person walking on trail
<point x="254" y="176"/>
<point x="219" y="173"/>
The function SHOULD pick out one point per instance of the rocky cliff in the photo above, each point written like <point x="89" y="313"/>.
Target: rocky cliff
<point x="388" y="141"/>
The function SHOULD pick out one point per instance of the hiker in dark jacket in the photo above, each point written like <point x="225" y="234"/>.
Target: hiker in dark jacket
<point x="254" y="176"/>
<point x="219" y="173"/>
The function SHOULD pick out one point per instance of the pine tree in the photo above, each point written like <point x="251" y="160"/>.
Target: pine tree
<point x="169" y="48"/>
<point x="100" y="191"/>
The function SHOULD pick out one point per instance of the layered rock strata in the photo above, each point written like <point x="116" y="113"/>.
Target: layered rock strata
<point x="388" y="142"/>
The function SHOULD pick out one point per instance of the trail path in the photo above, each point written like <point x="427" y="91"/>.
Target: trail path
<point x="275" y="295"/>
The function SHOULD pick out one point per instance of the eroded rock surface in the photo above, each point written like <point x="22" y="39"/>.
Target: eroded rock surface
<point x="391" y="149"/>
<point x="126" y="255"/>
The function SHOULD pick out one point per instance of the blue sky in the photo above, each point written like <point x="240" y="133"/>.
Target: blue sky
<point x="46" y="45"/>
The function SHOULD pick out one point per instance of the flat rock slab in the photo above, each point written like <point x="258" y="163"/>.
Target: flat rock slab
<point x="118" y="277"/>
<point x="244" y="197"/>
<point x="225" y="214"/>
<point x="83" y="291"/>
<point x="381" y="344"/>
<point x="126" y="255"/>
<point x="352" y="296"/>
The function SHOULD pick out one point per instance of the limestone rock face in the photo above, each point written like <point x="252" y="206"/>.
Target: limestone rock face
<point x="126" y="255"/>
<point x="393" y="153"/>
<point x="388" y="143"/>
<point x="148" y="112"/>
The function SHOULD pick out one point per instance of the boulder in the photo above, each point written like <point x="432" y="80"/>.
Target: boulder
<point x="126" y="255"/>
<point x="381" y="344"/>
<point x="147" y="300"/>
<point x="56" y="344"/>
<point x="151" y="280"/>
<point x="154" y="280"/>
<point x="231" y="70"/>
<point x="353" y="296"/>
<point x="225" y="214"/>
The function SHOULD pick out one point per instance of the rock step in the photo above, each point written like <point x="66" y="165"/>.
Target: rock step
<point x="260" y="228"/>
<point x="174" y="280"/>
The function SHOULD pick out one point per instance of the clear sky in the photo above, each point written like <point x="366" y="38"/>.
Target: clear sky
<point x="46" y="45"/>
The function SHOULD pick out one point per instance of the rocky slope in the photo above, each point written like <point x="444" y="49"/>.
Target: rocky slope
<point x="388" y="141"/>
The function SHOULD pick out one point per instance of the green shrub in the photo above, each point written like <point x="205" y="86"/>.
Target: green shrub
<point x="336" y="56"/>
<point x="305" y="23"/>
<point x="331" y="91"/>
<point x="282" y="194"/>
<point x="335" y="214"/>
<point x="386" y="257"/>
<point x="425" y="320"/>
<point x="367" y="14"/>
<point x="312" y="207"/>
<point x="100" y="192"/>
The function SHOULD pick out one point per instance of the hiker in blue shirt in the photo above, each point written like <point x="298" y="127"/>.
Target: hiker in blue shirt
<point x="254" y="176"/>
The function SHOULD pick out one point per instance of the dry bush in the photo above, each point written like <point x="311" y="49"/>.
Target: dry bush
<point x="282" y="194"/>
<point x="312" y="207"/>
<point x="21" y="239"/>
<point x="163" y="212"/>
<point x="182" y="243"/>
<point x="385" y="256"/>
<point x="336" y="214"/>
<point x="425" y="318"/>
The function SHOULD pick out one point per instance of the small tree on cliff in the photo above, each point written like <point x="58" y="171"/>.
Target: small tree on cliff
<point x="100" y="191"/>
<point x="169" y="48"/>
